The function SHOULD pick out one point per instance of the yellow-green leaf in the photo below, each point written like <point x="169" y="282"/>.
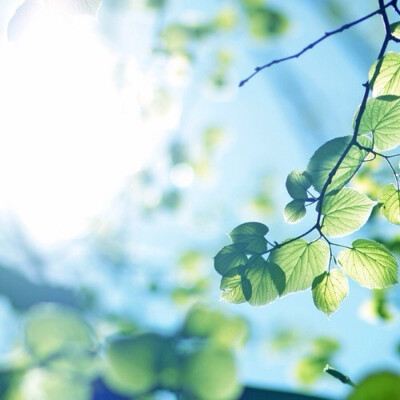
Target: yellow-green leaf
<point x="345" y="212"/>
<point x="370" y="264"/>
<point x="389" y="201"/>
<point x="235" y="286"/>
<point x="379" y="386"/>
<point x="329" y="289"/>
<point x="328" y="155"/>
<point x="267" y="281"/>
<point x="382" y="117"/>
<point x="301" y="262"/>
<point x="251" y="236"/>
<point x="294" y="211"/>
<point x="387" y="78"/>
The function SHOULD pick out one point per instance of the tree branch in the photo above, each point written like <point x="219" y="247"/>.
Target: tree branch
<point x="353" y="142"/>
<point x="322" y="38"/>
<point x="395" y="6"/>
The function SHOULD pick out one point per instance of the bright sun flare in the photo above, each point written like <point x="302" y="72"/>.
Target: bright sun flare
<point x="68" y="141"/>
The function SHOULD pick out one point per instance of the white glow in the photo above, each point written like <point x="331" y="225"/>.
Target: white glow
<point x="69" y="138"/>
<point x="182" y="175"/>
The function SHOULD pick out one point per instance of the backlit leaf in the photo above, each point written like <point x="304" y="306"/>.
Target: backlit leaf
<point x="370" y="264"/>
<point x="395" y="29"/>
<point x="327" y="156"/>
<point x="297" y="184"/>
<point x="387" y="80"/>
<point x="251" y="236"/>
<point x="382" y="117"/>
<point x="267" y="281"/>
<point x="294" y="211"/>
<point x="301" y="262"/>
<point x="235" y="286"/>
<point x="229" y="257"/>
<point x="345" y="212"/>
<point x="389" y="200"/>
<point x="329" y="289"/>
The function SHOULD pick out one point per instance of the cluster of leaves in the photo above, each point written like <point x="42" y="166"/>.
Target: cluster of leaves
<point x="258" y="271"/>
<point x="197" y="362"/>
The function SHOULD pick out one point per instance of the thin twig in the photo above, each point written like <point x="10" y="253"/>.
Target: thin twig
<point x="393" y="155"/>
<point x="279" y="245"/>
<point x="395" y="6"/>
<point x="395" y="174"/>
<point x="322" y="38"/>
<point x="328" y="242"/>
<point x="387" y="159"/>
<point x="386" y="22"/>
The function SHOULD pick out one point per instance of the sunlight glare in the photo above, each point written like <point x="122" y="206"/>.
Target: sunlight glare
<point x="68" y="140"/>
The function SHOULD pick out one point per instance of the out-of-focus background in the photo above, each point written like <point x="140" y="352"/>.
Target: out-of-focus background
<point x="127" y="152"/>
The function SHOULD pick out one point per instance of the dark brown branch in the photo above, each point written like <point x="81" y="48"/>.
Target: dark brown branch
<point x="322" y="38"/>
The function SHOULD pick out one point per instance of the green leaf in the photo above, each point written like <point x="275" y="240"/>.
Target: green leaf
<point x="382" y="117"/>
<point x="325" y="347"/>
<point x="235" y="287"/>
<point x="210" y="372"/>
<point x="294" y="211"/>
<point x="309" y="369"/>
<point x="267" y="281"/>
<point x="133" y="363"/>
<point x="297" y="184"/>
<point x="227" y="18"/>
<point x="214" y="325"/>
<point x="380" y="386"/>
<point x="345" y="212"/>
<point x="301" y="262"/>
<point x="52" y="328"/>
<point x="395" y="29"/>
<point x="229" y="257"/>
<point x="387" y="80"/>
<point x="389" y="201"/>
<point x="327" y="156"/>
<point x="251" y="236"/>
<point x="370" y="264"/>
<point x="329" y="289"/>
<point x="266" y="22"/>
<point x="380" y="306"/>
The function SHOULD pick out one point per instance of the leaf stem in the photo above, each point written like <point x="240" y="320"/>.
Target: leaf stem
<point x="395" y="6"/>
<point x="338" y="375"/>
<point x="387" y="159"/>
